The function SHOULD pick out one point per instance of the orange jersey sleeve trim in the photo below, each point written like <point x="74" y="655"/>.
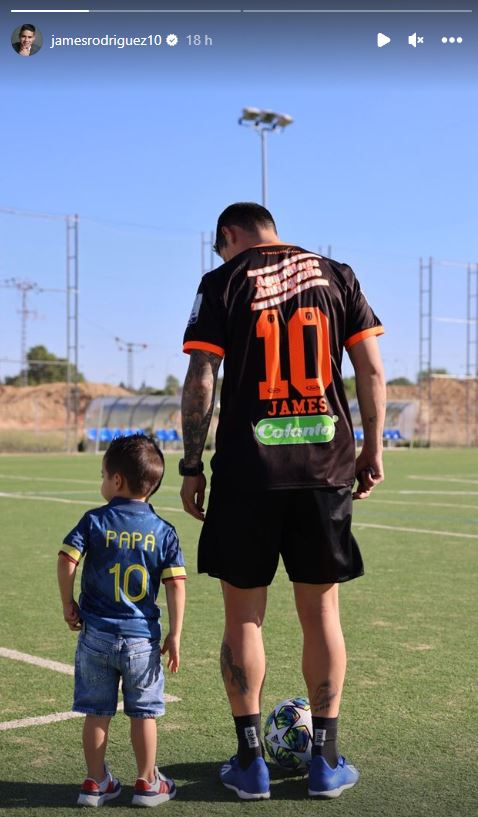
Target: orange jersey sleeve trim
<point x="365" y="333"/>
<point x="190" y="345"/>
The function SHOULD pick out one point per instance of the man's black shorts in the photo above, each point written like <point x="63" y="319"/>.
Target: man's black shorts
<point x="245" y="532"/>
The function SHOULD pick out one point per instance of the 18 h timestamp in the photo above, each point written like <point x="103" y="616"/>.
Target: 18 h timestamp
<point x="199" y="39"/>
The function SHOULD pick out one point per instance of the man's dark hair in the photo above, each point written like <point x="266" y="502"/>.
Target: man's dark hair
<point x="28" y="27"/>
<point x="245" y="214"/>
<point x="139" y="460"/>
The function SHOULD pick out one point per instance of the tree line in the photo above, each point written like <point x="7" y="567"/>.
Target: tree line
<point x="45" y="367"/>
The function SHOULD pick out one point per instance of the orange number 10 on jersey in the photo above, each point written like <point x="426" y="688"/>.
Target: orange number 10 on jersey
<point x="268" y="328"/>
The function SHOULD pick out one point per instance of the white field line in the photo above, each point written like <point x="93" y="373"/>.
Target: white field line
<point x="426" y="493"/>
<point x="380" y="501"/>
<point x="4" y="495"/>
<point x="416" y="530"/>
<point x="40" y="720"/>
<point x="48" y="479"/>
<point x="47" y="498"/>
<point x="70" y="493"/>
<point x="443" y="478"/>
<point x="41" y="498"/>
<point x="88" y="493"/>
<point x="357" y="524"/>
<point x="60" y="480"/>
<point x="46" y="663"/>
<point x="57" y="666"/>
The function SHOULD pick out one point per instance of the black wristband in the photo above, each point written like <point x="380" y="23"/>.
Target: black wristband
<point x="192" y="471"/>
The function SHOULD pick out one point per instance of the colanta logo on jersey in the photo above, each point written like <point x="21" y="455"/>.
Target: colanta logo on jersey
<point x="280" y="282"/>
<point x="315" y="428"/>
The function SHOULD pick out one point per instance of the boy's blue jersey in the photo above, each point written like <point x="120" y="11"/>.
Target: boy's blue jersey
<point x="128" y="549"/>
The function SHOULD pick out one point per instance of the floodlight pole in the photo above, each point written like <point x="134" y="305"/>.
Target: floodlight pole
<point x="471" y="403"/>
<point x="207" y="244"/>
<point x="265" y="179"/>
<point x="425" y="349"/>
<point x="72" y="345"/>
<point x="263" y="122"/>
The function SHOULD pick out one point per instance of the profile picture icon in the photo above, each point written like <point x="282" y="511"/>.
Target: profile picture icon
<point x="27" y="40"/>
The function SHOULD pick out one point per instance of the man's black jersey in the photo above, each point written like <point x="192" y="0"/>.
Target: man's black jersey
<point x="281" y="317"/>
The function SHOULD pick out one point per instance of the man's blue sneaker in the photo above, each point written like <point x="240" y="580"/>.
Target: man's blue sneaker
<point x="249" y="784"/>
<point x="324" y="781"/>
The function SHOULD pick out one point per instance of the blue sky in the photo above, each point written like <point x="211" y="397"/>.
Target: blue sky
<point x="380" y="163"/>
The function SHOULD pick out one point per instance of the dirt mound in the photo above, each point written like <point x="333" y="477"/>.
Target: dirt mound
<point x="43" y="408"/>
<point x="451" y="417"/>
<point x="451" y="414"/>
<point x="402" y="392"/>
<point x="448" y="409"/>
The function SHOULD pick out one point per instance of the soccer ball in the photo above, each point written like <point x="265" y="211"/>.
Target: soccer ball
<point x="288" y="734"/>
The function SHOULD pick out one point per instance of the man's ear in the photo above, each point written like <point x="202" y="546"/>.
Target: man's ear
<point x="230" y="234"/>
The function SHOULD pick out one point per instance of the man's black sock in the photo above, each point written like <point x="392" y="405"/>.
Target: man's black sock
<point x="324" y="739"/>
<point x="248" y="729"/>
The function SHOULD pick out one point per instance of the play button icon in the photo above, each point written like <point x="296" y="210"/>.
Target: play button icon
<point x="382" y="40"/>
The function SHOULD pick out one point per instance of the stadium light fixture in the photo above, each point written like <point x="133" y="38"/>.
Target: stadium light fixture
<point x="250" y="115"/>
<point x="263" y="121"/>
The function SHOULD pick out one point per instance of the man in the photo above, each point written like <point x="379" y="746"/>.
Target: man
<point x="26" y="41"/>
<point x="284" y="466"/>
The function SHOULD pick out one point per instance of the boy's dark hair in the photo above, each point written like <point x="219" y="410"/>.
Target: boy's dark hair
<point x="245" y="214"/>
<point x="139" y="460"/>
<point x="28" y="27"/>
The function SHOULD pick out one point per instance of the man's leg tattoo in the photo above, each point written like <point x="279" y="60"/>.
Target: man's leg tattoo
<point x="232" y="673"/>
<point x="323" y="697"/>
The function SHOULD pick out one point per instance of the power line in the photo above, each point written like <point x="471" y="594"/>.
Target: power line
<point x="131" y="348"/>
<point x="72" y="298"/>
<point x="24" y="287"/>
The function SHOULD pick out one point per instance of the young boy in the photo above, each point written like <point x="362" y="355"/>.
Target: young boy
<point x="127" y="550"/>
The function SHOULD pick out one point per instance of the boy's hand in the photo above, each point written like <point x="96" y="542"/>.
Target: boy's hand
<point x="171" y="646"/>
<point x="71" y="614"/>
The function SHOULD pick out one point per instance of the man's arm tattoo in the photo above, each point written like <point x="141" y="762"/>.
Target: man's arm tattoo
<point x="233" y="674"/>
<point x="197" y="403"/>
<point x="323" y="697"/>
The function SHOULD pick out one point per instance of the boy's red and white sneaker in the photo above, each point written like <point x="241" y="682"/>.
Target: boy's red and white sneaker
<point x="95" y="794"/>
<point x="152" y="794"/>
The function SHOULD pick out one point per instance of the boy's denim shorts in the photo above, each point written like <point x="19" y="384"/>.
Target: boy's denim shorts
<point x="102" y="659"/>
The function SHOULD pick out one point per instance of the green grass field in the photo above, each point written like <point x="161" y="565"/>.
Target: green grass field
<point x="408" y="718"/>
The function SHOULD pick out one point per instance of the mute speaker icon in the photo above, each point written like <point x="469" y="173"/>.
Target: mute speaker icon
<point x="416" y="39"/>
